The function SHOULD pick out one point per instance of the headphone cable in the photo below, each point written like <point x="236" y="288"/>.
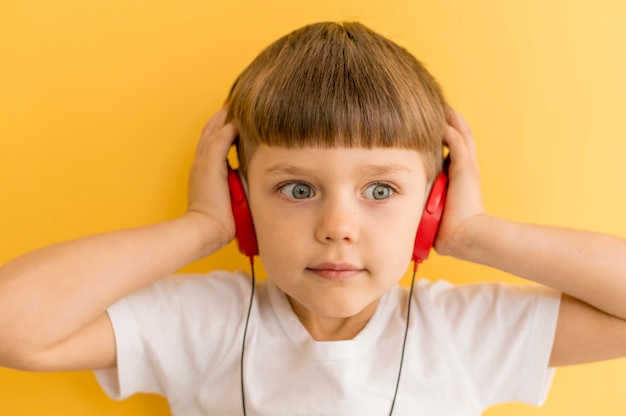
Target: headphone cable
<point x="406" y="331"/>
<point x="245" y="332"/>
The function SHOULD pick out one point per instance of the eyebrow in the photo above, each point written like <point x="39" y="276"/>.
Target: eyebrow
<point x="370" y="170"/>
<point x="383" y="170"/>
<point x="285" y="168"/>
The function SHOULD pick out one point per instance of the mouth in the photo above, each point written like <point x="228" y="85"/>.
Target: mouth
<point x="335" y="271"/>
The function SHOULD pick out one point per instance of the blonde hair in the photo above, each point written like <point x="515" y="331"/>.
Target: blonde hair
<point x="338" y="85"/>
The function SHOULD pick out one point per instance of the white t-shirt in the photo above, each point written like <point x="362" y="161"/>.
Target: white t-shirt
<point x="469" y="347"/>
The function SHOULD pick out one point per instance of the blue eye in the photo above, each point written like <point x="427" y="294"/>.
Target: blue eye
<point x="297" y="190"/>
<point x="378" y="191"/>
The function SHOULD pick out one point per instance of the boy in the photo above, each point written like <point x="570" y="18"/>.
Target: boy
<point x="340" y="131"/>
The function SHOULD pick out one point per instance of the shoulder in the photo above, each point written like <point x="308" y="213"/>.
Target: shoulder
<point x="170" y="333"/>
<point x="184" y="300"/>
<point x="484" y="298"/>
<point x="491" y="331"/>
<point x="202" y="287"/>
<point x="474" y="312"/>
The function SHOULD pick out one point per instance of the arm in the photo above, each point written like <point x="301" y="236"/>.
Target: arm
<point x="586" y="267"/>
<point x="53" y="301"/>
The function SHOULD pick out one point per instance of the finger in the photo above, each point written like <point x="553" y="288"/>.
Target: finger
<point x="455" y="142"/>
<point x="213" y="126"/>
<point x="215" y="145"/>
<point x="216" y="121"/>
<point x="225" y="138"/>
<point x="458" y="122"/>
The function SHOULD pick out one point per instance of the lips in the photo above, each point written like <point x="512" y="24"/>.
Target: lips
<point x="335" y="271"/>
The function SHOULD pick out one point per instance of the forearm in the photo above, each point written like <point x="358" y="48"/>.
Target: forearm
<point x="50" y="294"/>
<point x="585" y="265"/>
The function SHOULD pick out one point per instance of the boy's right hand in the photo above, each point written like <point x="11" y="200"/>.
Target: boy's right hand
<point x="53" y="301"/>
<point x="209" y="196"/>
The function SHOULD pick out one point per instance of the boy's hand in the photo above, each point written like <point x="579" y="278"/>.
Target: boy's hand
<point x="587" y="268"/>
<point x="464" y="202"/>
<point x="209" y="197"/>
<point x="53" y="301"/>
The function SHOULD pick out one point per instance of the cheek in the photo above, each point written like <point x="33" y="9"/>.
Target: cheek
<point x="396" y="241"/>
<point x="395" y="249"/>
<point x="276" y="235"/>
<point x="280" y="251"/>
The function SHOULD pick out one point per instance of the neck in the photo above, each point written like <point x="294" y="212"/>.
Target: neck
<point x="323" y="328"/>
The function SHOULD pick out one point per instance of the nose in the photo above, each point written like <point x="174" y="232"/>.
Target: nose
<point x="337" y="222"/>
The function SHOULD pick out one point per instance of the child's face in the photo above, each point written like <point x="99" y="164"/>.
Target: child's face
<point x="335" y="227"/>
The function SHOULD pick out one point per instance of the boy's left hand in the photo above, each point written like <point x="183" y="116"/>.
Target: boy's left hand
<point x="464" y="201"/>
<point x="585" y="267"/>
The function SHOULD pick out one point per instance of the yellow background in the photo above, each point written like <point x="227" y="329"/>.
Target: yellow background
<point x="101" y="104"/>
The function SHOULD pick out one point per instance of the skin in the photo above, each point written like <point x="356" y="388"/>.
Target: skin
<point x="53" y="301"/>
<point x="335" y="249"/>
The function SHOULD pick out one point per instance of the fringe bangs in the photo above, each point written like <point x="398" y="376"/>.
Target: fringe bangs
<point x="331" y="85"/>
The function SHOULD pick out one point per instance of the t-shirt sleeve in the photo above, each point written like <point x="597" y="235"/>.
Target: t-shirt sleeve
<point x="167" y="335"/>
<point x="501" y="336"/>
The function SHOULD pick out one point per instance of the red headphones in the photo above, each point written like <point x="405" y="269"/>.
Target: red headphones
<point x="244" y="227"/>
<point x="431" y="217"/>
<point x="426" y="231"/>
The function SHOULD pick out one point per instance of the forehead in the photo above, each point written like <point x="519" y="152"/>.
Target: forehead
<point x="338" y="160"/>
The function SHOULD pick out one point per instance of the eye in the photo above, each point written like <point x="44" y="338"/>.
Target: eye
<point x="378" y="191"/>
<point x="297" y="190"/>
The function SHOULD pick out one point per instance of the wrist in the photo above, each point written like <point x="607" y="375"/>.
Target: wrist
<point x="465" y="243"/>
<point x="211" y="235"/>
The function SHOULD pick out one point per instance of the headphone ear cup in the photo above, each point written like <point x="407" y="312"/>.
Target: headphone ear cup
<point x="244" y="227"/>
<point x="431" y="217"/>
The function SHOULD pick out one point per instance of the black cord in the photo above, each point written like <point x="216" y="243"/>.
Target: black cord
<point x="245" y="332"/>
<point x="406" y="331"/>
